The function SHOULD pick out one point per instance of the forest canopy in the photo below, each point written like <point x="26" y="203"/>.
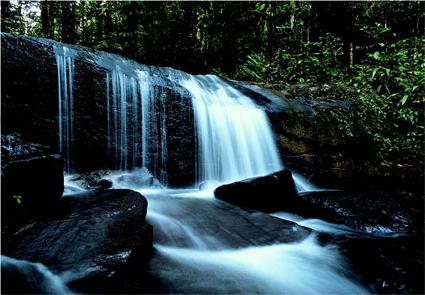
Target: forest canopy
<point x="371" y="52"/>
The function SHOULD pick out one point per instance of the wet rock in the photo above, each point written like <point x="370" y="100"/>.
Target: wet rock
<point x="30" y="187"/>
<point x="29" y="105"/>
<point x="393" y="265"/>
<point x="89" y="180"/>
<point x="29" y="108"/>
<point x="269" y="193"/>
<point x="97" y="233"/>
<point x="103" y="184"/>
<point x="313" y="143"/>
<point x="374" y="212"/>
<point x="13" y="148"/>
<point x="264" y="98"/>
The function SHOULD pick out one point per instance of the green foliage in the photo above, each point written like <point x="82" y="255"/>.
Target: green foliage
<point x="12" y="18"/>
<point x="316" y="61"/>
<point x="389" y="87"/>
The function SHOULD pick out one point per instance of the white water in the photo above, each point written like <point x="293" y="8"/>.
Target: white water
<point x="234" y="136"/>
<point x="297" y="268"/>
<point x="65" y="72"/>
<point x="334" y="228"/>
<point x="302" y="184"/>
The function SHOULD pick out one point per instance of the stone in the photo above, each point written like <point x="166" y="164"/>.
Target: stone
<point x="267" y="193"/>
<point x="13" y="148"/>
<point x="388" y="265"/>
<point x="374" y="212"/>
<point x="31" y="187"/>
<point x="103" y="184"/>
<point x="93" y="234"/>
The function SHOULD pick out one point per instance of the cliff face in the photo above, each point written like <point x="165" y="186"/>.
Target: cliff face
<point x="30" y="107"/>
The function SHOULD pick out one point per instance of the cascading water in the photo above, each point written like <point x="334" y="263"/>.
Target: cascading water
<point x="235" y="139"/>
<point x="234" y="136"/>
<point x="65" y="71"/>
<point x="136" y="122"/>
<point x="120" y="91"/>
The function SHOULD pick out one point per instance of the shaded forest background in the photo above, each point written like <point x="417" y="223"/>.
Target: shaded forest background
<point x="371" y="53"/>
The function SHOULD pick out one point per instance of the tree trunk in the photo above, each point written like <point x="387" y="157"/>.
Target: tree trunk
<point x="68" y="20"/>
<point x="271" y="28"/>
<point x="45" y="19"/>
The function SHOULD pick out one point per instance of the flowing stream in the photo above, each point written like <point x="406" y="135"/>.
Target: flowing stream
<point x="203" y="245"/>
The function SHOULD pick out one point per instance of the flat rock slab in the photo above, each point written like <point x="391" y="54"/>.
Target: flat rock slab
<point x="214" y="224"/>
<point x="374" y="212"/>
<point x="92" y="232"/>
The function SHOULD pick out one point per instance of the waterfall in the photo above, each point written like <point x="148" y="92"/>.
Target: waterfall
<point x="234" y="135"/>
<point x="136" y="121"/>
<point x="65" y="73"/>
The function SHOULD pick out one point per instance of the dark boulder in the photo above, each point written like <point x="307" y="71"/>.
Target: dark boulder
<point x="30" y="187"/>
<point x="269" y="193"/>
<point x="94" y="234"/>
<point x="103" y="184"/>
